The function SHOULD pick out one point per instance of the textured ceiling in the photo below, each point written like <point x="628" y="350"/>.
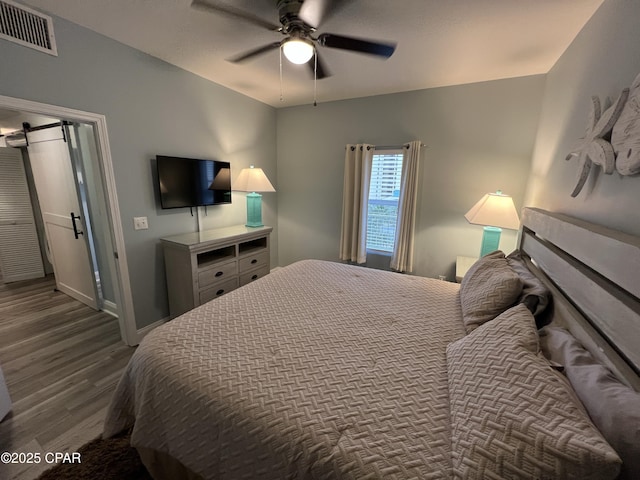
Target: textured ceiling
<point x="440" y="42"/>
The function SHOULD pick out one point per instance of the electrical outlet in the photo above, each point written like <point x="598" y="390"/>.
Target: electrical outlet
<point x="140" y="223"/>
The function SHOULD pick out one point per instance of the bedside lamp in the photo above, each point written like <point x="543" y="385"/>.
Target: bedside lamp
<point x="495" y="211"/>
<point x="253" y="180"/>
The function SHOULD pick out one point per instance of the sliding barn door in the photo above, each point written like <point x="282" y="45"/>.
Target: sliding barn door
<point x="64" y="221"/>
<point x="20" y="257"/>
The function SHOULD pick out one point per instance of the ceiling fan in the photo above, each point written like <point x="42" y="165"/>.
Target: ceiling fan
<point x="299" y="21"/>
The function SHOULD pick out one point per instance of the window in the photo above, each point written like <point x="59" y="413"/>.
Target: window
<point x="384" y="193"/>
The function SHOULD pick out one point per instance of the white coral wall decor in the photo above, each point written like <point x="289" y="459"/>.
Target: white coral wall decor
<point x="625" y="137"/>
<point x="595" y="147"/>
<point x="612" y="140"/>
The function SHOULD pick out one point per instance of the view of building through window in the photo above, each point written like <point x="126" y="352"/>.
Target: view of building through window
<point x="384" y="193"/>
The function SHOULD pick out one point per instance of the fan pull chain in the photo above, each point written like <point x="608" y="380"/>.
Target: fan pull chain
<point x="315" y="78"/>
<point x="281" y="94"/>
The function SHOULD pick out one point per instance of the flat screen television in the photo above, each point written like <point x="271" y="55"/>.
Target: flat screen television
<point x="190" y="182"/>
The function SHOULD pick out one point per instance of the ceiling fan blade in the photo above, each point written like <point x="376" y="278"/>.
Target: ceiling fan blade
<point x="370" y="47"/>
<point x="321" y="71"/>
<point x="217" y="7"/>
<point x="253" y="53"/>
<point x="313" y="12"/>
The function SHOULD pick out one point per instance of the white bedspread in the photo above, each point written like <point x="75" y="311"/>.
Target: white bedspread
<point x="318" y="370"/>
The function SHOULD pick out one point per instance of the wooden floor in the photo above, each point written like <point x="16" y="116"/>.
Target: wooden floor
<point x="61" y="361"/>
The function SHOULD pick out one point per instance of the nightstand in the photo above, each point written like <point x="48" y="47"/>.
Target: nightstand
<point x="463" y="264"/>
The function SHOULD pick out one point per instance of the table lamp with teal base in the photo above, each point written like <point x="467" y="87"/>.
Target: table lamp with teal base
<point x="253" y="180"/>
<point x="495" y="211"/>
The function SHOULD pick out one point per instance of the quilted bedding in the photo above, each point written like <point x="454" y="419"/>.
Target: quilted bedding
<point x="318" y="370"/>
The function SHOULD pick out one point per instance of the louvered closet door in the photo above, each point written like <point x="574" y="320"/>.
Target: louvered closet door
<point x="20" y="257"/>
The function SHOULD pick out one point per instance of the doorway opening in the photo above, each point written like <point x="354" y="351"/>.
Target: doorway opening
<point x="80" y="211"/>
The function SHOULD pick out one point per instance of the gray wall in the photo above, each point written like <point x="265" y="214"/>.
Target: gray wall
<point x="151" y="108"/>
<point x="603" y="59"/>
<point x="480" y="138"/>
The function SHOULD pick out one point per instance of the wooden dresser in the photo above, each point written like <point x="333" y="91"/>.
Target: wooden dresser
<point x="201" y="266"/>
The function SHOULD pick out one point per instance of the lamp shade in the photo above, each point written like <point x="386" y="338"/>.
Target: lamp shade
<point x="495" y="210"/>
<point x="253" y="180"/>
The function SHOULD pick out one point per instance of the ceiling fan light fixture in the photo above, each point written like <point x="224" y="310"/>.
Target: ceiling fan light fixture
<point x="298" y="51"/>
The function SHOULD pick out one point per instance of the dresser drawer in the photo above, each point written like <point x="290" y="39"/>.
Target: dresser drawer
<point x="254" y="261"/>
<point x="218" y="290"/>
<point x="253" y="275"/>
<point x="217" y="274"/>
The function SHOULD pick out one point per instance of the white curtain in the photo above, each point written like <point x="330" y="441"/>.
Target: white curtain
<point x="357" y="175"/>
<point x="402" y="259"/>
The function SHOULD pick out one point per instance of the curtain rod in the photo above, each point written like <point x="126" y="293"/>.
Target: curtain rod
<point x="394" y="147"/>
<point x="388" y="147"/>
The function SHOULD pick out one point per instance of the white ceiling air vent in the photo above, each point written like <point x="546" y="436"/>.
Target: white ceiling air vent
<point x="25" y="26"/>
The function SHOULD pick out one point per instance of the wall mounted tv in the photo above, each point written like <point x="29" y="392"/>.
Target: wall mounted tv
<point x="189" y="182"/>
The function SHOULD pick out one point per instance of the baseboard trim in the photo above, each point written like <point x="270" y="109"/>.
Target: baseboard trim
<point x="110" y="308"/>
<point x="142" y="332"/>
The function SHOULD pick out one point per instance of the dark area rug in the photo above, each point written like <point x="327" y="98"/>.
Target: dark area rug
<point x="102" y="459"/>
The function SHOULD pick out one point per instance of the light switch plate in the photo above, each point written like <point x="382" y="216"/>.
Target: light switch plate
<point x="140" y="223"/>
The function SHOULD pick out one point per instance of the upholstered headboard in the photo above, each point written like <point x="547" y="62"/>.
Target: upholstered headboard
<point x="594" y="275"/>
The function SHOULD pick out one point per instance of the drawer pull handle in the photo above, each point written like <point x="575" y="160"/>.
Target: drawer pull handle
<point x="220" y="292"/>
<point x="254" y="277"/>
<point x="255" y="260"/>
<point x="219" y="274"/>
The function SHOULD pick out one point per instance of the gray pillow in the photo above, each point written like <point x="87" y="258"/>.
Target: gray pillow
<point x="489" y="288"/>
<point x="613" y="407"/>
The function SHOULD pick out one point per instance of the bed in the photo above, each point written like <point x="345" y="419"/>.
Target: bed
<point x="324" y="370"/>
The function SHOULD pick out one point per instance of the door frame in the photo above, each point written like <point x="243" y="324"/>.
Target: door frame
<point x="124" y="297"/>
